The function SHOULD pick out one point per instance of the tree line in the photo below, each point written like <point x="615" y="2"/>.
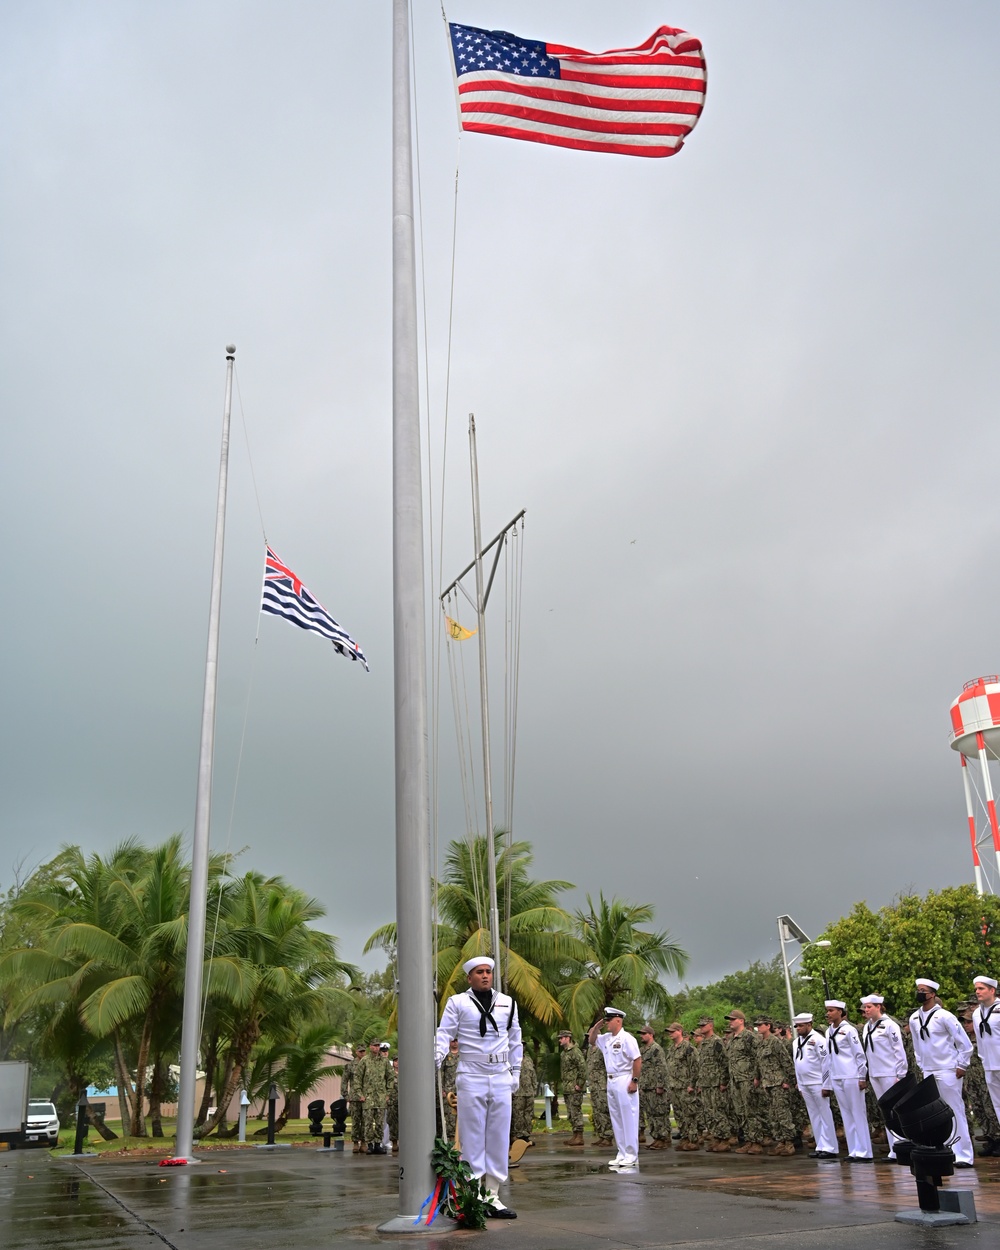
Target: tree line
<point x="92" y="954"/>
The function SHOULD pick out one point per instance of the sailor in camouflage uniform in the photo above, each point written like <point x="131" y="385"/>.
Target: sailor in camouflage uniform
<point x="522" y="1112"/>
<point x="392" y="1111"/>
<point x="713" y="1082"/>
<point x="744" y="1080"/>
<point x="597" y="1080"/>
<point x="372" y="1079"/>
<point x="573" y="1078"/>
<point x="653" y="1097"/>
<point x="682" y="1083"/>
<point x="349" y="1090"/>
<point x="777" y="1076"/>
<point x="449" y="1068"/>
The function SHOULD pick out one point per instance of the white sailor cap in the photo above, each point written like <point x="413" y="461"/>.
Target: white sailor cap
<point x="931" y="985"/>
<point x="804" y="1017"/>
<point x="984" y="981"/>
<point x="835" y="1002"/>
<point x="480" y="961"/>
<point x="383" y="1046"/>
<point x="872" y="998"/>
<point x="614" y="1011"/>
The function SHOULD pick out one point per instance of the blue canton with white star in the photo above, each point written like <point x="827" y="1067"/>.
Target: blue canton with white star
<point x="477" y="50"/>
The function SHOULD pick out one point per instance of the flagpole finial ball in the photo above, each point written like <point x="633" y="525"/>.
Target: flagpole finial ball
<point x="230" y="349"/>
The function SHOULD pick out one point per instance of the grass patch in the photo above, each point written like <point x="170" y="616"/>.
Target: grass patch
<point x="295" y="1132"/>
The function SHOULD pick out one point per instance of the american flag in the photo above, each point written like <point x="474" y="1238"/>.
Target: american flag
<point x="284" y="595"/>
<point x="638" y="101"/>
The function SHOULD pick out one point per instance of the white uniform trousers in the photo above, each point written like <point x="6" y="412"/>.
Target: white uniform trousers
<point x="993" y="1085"/>
<point x="623" y="1108"/>
<point x="950" y="1088"/>
<point x="851" y="1101"/>
<point x="821" y="1118"/>
<point x="881" y="1085"/>
<point x="484" y="1119"/>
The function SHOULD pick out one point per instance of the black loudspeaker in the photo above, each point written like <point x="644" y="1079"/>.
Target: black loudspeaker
<point x="316" y="1110"/>
<point x="924" y="1116"/>
<point x="338" y="1110"/>
<point x="887" y="1103"/>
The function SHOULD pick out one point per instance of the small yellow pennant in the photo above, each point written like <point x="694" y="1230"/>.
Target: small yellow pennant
<point x="459" y="632"/>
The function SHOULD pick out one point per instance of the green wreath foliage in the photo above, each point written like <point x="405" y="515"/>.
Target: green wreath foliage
<point x="466" y="1202"/>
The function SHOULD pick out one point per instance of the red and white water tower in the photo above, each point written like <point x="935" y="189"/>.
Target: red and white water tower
<point x="975" y="735"/>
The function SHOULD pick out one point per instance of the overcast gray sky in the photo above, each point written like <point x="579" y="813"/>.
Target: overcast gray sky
<point x="747" y="395"/>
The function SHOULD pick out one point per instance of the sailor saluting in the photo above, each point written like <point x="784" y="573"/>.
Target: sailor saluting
<point x="489" y="1069"/>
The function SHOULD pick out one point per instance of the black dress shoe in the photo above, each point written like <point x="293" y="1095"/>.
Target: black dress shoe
<point x="960" y="1164"/>
<point x="822" y="1154"/>
<point x="500" y="1213"/>
<point x="860" y="1159"/>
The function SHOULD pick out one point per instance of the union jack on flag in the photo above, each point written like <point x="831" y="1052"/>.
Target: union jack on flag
<point x="284" y="595"/>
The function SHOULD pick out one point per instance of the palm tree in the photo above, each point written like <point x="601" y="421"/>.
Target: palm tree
<point x="622" y="961"/>
<point x="295" y="1063"/>
<point x="271" y="967"/>
<point x="536" y="933"/>
<point x="71" y="896"/>
<point x="111" y="947"/>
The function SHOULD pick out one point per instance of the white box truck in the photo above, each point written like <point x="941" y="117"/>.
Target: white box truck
<point x="15" y="1081"/>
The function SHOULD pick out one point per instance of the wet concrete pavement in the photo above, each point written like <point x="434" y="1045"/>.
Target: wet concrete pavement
<point x="256" y="1200"/>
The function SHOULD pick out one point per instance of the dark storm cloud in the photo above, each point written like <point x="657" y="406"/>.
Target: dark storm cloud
<point x="769" y="362"/>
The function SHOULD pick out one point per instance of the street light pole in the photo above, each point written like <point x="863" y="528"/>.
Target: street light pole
<point x="785" y="965"/>
<point x="789" y="931"/>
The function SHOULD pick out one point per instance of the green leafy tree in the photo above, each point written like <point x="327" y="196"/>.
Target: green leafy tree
<point x="948" y="936"/>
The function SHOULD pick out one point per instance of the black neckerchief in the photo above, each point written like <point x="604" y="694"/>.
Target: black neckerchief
<point x="869" y="1035"/>
<point x="832" y="1038"/>
<point x="924" y="1033"/>
<point x="984" y="1020"/>
<point x="802" y="1039"/>
<point x="485" y="1000"/>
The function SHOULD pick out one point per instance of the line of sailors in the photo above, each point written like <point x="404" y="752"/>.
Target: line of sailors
<point x="843" y="1061"/>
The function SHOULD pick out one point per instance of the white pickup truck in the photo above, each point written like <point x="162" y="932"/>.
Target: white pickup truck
<point x="42" y="1126"/>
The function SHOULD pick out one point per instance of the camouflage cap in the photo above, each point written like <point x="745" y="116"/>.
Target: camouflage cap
<point x="762" y="1020"/>
<point x="736" y="1014"/>
<point x="706" y="1020"/>
<point x="674" y="1027"/>
<point x="646" y="1028"/>
<point x="565" y="1033"/>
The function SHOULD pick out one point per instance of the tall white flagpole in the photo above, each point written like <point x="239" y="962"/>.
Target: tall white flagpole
<point x="413" y="866"/>
<point x="197" y="911"/>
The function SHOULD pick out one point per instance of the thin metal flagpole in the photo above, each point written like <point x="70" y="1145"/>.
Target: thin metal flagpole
<point x="198" y="909"/>
<point x="491" y="855"/>
<point x="413" y="866"/>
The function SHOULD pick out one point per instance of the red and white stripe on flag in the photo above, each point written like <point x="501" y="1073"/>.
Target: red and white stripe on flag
<point x="640" y="101"/>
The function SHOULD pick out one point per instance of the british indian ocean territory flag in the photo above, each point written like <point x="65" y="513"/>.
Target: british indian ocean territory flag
<point x="640" y="101"/>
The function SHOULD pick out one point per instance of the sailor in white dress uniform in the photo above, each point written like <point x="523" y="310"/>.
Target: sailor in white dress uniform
<point x="623" y="1062"/>
<point x="847" y="1077"/>
<point x="809" y="1050"/>
<point x="986" y="1021"/>
<point x="942" y="1049"/>
<point x="489" y="1070"/>
<point x="882" y="1042"/>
